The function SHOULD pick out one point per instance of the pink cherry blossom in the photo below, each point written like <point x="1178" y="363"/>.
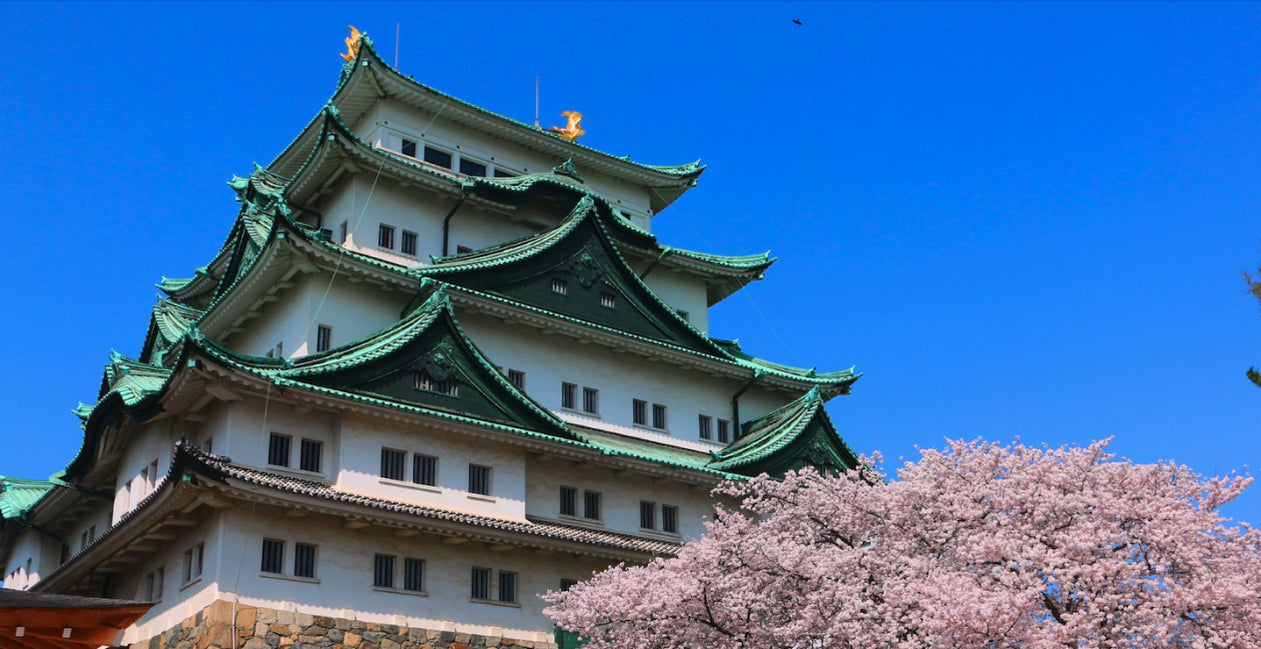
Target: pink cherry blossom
<point x="979" y="546"/>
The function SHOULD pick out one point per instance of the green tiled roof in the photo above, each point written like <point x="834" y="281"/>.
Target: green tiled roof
<point x="614" y="444"/>
<point x="17" y="495"/>
<point x="797" y="434"/>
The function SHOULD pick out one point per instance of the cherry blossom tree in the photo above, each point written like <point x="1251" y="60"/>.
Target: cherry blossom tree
<point x="979" y="546"/>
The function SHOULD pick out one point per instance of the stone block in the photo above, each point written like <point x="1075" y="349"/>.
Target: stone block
<point x="245" y="615"/>
<point x="373" y="636"/>
<point x="389" y="628"/>
<point x="286" y="641"/>
<point x="351" y="639"/>
<point x="255" y="643"/>
<point x="266" y="615"/>
<point x="324" y="621"/>
<point x="286" y="617"/>
<point x="314" y="629"/>
<point x="282" y="629"/>
<point x="446" y="637"/>
<point x="260" y="629"/>
<point x="463" y="637"/>
<point x="335" y="635"/>
<point x="272" y="638"/>
<point x="304" y="619"/>
<point x="478" y="640"/>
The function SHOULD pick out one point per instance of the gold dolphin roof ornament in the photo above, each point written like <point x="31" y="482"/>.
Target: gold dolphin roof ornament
<point x="571" y="131"/>
<point x="352" y="44"/>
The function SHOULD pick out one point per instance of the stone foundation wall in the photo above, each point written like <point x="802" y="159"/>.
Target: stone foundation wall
<point x="263" y="628"/>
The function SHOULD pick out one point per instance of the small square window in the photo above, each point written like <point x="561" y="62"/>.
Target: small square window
<point x="273" y="556"/>
<point x="421" y="380"/>
<point x="392" y="463"/>
<point x="568" y="394"/>
<point x="437" y="157"/>
<point x="413" y="574"/>
<point x="408" y="148"/>
<point x="560" y="286"/>
<point x="608" y="300"/>
<point x="647" y="515"/>
<point x="516" y="378"/>
<point x="278" y="450"/>
<point x="568" y="501"/>
<point x="507" y="586"/>
<point x="481" y="583"/>
<point x="591" y="505"/>
<point x="310" y="455"/>
<point x="383" y="571"/>
<point x="639" y="411"/>
<point x="303" y="560"/>
<point x="724" y="431"/>
<point x="425" y="470"/>
<point x="470" y="168"/>
<point x="323" y="338"/>
<point x="591" y="400"/>
<point x="658" y="416"/>
<point x="385" y="236"/>
<point x="194" y="559"/>
<point x="408" y="243"/>
<point x="706" y="427"/>
<point x="670" y="519"/>
<point x="479" y="479"/>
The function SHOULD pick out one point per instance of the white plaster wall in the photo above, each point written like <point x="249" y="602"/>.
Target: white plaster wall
<point x="343" y="586"/>
<point x="620" y="498"/>
<point x="31" y="555"/>
<point x="353" y="310"/>
<point x="251" y="422"/>
<point x="148" y="443"/>
<point x="180" y="599"/>
<point x="362" y="439"/>
<point x="682" y="291"/>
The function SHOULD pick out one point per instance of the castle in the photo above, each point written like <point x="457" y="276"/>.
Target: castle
<point x="440" y="364"/>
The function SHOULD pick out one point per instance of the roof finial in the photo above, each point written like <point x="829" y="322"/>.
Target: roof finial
<point x="571" y="131"/>
<point x="352" y="44"/>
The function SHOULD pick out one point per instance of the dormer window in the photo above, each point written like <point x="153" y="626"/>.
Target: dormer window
<point x="560" y="286"/>
<point x="608" y="300"/>
<point x="408" y="148"/>
<point x="470" y="168"/>
<point x="437" y="157"/>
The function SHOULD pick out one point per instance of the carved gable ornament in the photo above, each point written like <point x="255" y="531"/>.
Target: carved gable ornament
<point x="585" y="269"/>
<point x="439" y="363"/>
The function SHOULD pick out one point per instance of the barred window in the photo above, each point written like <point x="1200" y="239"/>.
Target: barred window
<point x="560" y="286"/>
<point x="421" y="380"/>
<point x="413" y="574"/>
<point x="479" y="479"/>
<point x="323" y="338"/>
<point x="383" y="571"/>
<point x="670" y="519"/>
<point x="310" y="455"/>
<point x="278" y="450"/>
<point x="647" y="515"/>
<point x="568" y="501"/>
<point x="507" y="586"/>
<point x="591" y="400"/>
<point x="273" y="556"/>
<point x="591" y="505"/>
<point x="385" y="236"/>
<point x="481" y="583"/>
<point x="724" y="431"/>
<point x="392" y="463"/>
<point x="303" y="560"/>
<point x="407" y="244"/>
<point x="568" y="394"/>
<point x="706" y="427"/>
<point x="517" y="379"/>
<point x="608" y="300"/>
<point x="639" y="411"/>
<point x="658" y="416"/>
<point x="425" y="469"/>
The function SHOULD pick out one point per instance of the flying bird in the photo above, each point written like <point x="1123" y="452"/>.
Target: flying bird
<point x="796" y="22"/>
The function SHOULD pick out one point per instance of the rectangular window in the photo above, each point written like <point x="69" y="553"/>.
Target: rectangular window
<point x="639" y="411"/>
<point x="504" y="173"/>
<point x="425" y="470"/>
<point x="608" y="300"/>
<point x="153" y="584"/>
<point x="310" y="455"/>
<point x="194" y="559"/>
<point x="323" y="338"/>
<point x="568" y="393"/>
<point x="568" y="501"/>
<point x="517" y="379"/>
<point x="273" y="556"/>
<point x="343" y="232"/>
<point x="658" y="416"/>
<point x="507" y="586"/>
<point x="706" y="427"/>
<point x="591" y="400"/>
<point x="591" y="505"/>
<point x="481" y="583"/>
<point x="479" y="479"/>
<point x="278" y="450"/>
<point x="413" y="574"/>
<point x="392" y="463"/>
<point x="437" y="157"/>
<point x="670" y="519"/>
<point x="303" y="560"/>
<point x="421" y="380"/>
<point x="647" y="515"/>
<point x="407" y="245"/>
<point x="408" y="148"/>
<point x="560" y="286"/>
<point x="470" y="168"/>
<point x="724" y="431"/>
<point x="385" y="236"/>
<point x="383" y="571"/>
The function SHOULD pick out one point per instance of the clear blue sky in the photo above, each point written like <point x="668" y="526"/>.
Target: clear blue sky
<point x="1016" y="219"/>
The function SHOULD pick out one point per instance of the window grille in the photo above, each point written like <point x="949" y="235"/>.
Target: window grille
<point x="568" y="393"/>
<point x="658" y="416"/>
<point x="481" y="583"/>
<point x="507" y="586"/>
<point x="310" y="455"/>
<point x="591" y="505"/>
<point x="706" y="427"/>
<point x="639" y="411"/>
<point x="670" y="519"/>
<point x="392" y="463"/>
<point x="273" y="556"/>
<point x="303" y="560"/>
<point x="647" y="515"/>
<point x="323" y="338"/>
<point x="591" y="400"/>
<point x="407" y="245"/>
<point x="425" y="470"/>
<point x="383" y="571"/>
<point x="560" y="286"/>
<point x="568" y="501"/>
<point x="479" y="479"/>
<point x="278" y="450"/>
<point x="413" y="574"/>
<point x="385" y="236"/>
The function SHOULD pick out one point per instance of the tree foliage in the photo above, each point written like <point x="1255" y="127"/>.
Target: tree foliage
<point x="979" y="546"/>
